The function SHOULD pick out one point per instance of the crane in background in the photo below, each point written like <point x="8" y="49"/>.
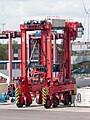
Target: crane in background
<point x="87" y="12"/>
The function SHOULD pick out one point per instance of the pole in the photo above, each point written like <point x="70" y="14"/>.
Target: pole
<point x="54" y="52"/>
<point x="88" y="26"/>
<point x="54" y="49"/>
<point x="10" y="58"/>
<point x="3" y="24"/>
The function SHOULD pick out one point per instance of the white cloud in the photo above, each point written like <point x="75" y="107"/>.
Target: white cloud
<point x="13" y="12"/>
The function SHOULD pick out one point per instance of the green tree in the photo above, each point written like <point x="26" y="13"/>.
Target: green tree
<point x="89" y="65"/>
<point x="3" y="48"/>
<point x="14" y="44"/>
<point x="75" y="66"/>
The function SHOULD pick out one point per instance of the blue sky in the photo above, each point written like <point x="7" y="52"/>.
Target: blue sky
<point x="14" y="12"/>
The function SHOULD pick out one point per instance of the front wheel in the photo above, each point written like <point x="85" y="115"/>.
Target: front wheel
<point x="39" y="98"/>
<point x="48" y="103"/>
<point x="28" y="100"/>
<point x="55" y="102"/>
<point x="28" y="104"/>
<point x="19" y="103"/>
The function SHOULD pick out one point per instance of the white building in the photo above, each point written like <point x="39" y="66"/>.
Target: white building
<point x="80" y="52"/>
<point x="80" y="46"/>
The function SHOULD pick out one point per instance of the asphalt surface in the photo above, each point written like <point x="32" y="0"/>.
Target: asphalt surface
<point x="37" y="112"/>
<point x="11" y="112"/>
<point x="42" y="115"/>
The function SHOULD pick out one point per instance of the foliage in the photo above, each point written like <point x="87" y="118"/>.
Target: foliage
<point x="3" y="48"/>
<point x="88" y="65"/>
<point x="15" y="44"/>
<point x="75" y="66"/>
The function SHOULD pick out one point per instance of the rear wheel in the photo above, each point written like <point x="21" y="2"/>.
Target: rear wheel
<point x="39" y="101"/>
<point x="55" y="102"/>
<point x="66" y="100"/>
<point x="39" y="98"/>
<point x="28" y="100"/>
<point x="19" y="105"/>
<point x="28" y="104"/>
<point x="20" y="102"/>
<point x="48" y="103"/>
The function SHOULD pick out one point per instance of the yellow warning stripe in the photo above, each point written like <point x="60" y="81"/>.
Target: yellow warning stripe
<point x="44" y="94"/>
<point x="17" y="94"/>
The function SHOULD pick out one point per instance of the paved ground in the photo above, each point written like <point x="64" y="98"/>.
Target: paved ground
<point x="42" y="115"/>
<point x="35" y="112"/>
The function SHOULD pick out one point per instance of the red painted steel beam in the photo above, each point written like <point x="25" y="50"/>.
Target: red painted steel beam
<point x="3" y="36"/>
<point x="71" y="32"/>
<point x="32" y="27"/>
<point x="14" y="34"/>
<point x="43" y="45"/>
<point x="49" y="54"/>
<point x="24" y="61"/>
<point x="68" y="55"/>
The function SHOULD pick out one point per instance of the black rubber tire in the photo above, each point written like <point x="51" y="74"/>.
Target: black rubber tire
<point x="55" y="102"/>
<point x="19" y="105"/>
<point x="28" y="104"/>
<point x="39" y="102"/>
<point x="66" y="100"/>
<point x="48" y="103"/>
